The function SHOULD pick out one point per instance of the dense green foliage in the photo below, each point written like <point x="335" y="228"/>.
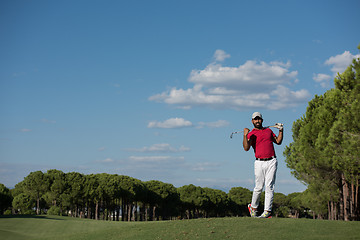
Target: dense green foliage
<point x="117" y="197"/>
<point x="55" y="227"/>
<point x="325" y="153"/>
<point x="5" y="198"/>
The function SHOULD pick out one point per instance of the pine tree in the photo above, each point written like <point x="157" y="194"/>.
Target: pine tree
<point x="325" y="153"/>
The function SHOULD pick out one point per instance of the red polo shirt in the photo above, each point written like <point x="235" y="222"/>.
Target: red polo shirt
<point x="262" y="142"/>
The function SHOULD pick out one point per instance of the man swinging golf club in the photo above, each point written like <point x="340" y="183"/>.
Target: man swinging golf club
<point x="265" y="166"/>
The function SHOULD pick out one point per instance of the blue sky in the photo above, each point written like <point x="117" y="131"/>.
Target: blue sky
<point x="153" y="89"/>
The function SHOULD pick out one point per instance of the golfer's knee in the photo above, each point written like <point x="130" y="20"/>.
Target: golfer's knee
<point x="258" y="189"/>
<point x="269" y="189"/>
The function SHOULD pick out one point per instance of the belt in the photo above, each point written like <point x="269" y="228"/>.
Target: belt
<point x="265" y="159"/>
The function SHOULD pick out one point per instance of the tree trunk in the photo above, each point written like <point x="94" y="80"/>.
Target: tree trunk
<point x="122" y="210"/>
<point x="89" y="209"/>
<point x="352" y="196"/>
<point x="187" y="213"/>
<point x="151" y="217"/>
<point x="61" y="208"/>
<point x="154" y="213"/>
<point x="356" y="199"/>
<point x="97" y="210"/>
<point x="333" y="211"/>
<point x="142" y="211"/>
<point x="118" y="210"/>
<point x="38" y="206"/>
<point x="146" y="213"/>
<point x="133" y="212"/>
<point x="341" y="202"/>
<point x="129" y="212"/>
<point x="345" y="194"/>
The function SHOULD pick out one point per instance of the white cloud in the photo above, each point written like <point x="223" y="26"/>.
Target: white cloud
<point x="101" y="149"/>
<point x="217" y="124"/>
<point x="160" y="147"/>
<point x="287" y="97"/>
<point x="317" y="41"/>
<point x="249" y="76"/>
<point x="233" y="181"/>
<point x="341" y="62"/>
<point x="155" y="159"/>
<point x="107" y="160"/>
<point x="220" y="55"/>
<point x="160" y="162"/>
<point x="25" y="130"/>
<point x="323" y="79"/>
<point x="205" y="166"/>
<point x="184" y="149"/>
<point x="178" y="123"/>
<point x="170" y="123"/>
<point x="44" y="120"/>
<point x="251" y="85"/>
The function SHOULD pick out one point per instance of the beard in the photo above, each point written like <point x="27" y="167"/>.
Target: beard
<point x="257" y="125"/>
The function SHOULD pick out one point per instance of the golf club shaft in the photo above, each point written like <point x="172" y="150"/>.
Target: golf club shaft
<point x="243" y="131"/>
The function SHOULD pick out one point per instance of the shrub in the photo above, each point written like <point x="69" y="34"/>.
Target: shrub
<point x="54" y="210"/>
<point x="7" y="212"/>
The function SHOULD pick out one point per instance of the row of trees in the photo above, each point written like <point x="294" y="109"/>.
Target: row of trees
<point x="325" y="153"/>
<point x="117" y="197"/>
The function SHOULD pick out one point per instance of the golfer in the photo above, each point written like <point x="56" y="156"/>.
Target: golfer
<point x="265" y="166"/>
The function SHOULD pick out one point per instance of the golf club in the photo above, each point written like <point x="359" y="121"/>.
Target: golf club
<point x="276" y="125"/>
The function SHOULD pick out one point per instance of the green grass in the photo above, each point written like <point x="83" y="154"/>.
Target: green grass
<point x="52" y="227"/>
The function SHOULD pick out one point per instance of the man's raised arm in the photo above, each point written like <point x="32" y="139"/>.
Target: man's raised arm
<point x="246" y="142"/>
<point x="279" y="138"/>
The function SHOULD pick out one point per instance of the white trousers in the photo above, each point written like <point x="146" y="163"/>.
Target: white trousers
<point x="265" y="175"/>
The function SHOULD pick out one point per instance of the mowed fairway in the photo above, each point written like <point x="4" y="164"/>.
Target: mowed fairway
<point x="53" y="227"/>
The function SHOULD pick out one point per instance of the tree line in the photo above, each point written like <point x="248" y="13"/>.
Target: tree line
<point x="115" y="197"/>
<point x="325" y="153"/>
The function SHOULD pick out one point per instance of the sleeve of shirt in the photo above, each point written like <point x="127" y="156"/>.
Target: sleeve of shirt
<point x="273" y="135"/>
<point x="250" y="134"/>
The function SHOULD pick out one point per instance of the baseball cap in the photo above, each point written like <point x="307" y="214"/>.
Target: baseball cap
<point x="256" y="114"/>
